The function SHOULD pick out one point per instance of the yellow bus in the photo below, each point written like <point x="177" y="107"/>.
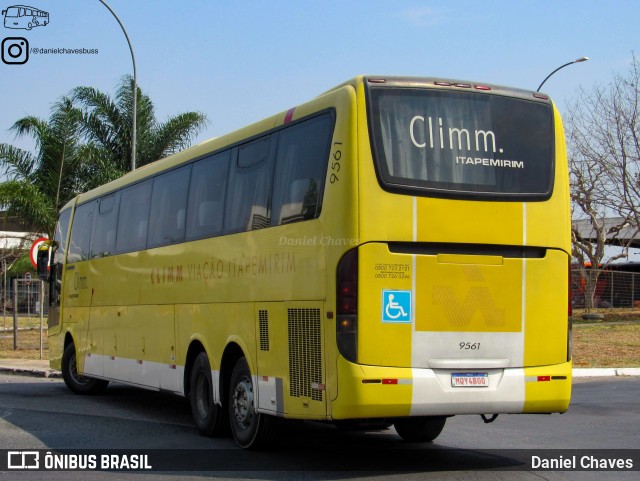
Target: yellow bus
<point x="394" y="251"/>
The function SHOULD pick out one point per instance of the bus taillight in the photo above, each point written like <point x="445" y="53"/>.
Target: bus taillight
<point x="347" y="305"/>
<point x="570" y="309"/>
<point x="570" y="322"/>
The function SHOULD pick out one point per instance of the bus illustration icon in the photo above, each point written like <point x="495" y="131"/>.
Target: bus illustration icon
<point x="396" y="306"/>
<point x="24" y="17"/>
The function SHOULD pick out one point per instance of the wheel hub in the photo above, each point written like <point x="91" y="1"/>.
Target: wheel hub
<point x="243" y="403"/>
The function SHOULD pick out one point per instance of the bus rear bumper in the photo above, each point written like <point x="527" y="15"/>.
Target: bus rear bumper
<point x="387" y="392"/>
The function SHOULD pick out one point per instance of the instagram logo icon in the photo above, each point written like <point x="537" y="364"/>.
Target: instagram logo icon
<point x="15" y="50"/>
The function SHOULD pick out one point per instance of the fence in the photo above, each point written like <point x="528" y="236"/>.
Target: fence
<point x="613" y="288"/>
<point x="23" y="313"/>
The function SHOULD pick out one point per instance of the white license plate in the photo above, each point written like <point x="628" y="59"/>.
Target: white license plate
<point x="470" y="379"/>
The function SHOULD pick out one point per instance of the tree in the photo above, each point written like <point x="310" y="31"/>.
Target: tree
<point x="107" y="123"/>
<point x="40" y="184"/>
<point x="80" y="148"/>
<point x="603" y="133"/>
<point x="12" y="248"/>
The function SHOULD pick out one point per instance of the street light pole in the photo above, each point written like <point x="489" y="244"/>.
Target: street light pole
<point x="578" y="60"/>
<point x="135" y="88"/>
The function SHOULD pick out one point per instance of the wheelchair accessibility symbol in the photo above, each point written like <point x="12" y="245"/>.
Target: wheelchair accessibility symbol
<point x="396" y="306"/>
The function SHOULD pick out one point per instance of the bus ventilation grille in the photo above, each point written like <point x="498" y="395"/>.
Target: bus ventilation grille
<point x="263" y="319"/>
<point x="305" y="353"/>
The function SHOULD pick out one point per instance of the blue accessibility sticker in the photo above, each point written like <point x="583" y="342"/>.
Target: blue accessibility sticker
<point x="396" y="306"/>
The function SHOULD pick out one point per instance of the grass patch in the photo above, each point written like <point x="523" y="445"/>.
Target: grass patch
<point x="28" y="344"/>
<point x="602" y="345"/>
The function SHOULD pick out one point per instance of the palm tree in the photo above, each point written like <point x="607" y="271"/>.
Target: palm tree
<point x="40" y="184"/>
<point x="107" y="122"/>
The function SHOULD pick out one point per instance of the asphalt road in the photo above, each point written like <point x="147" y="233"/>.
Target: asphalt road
<point x="40" y="413"/>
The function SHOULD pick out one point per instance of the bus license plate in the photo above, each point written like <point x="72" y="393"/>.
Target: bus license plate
<point x="470" y="379"/>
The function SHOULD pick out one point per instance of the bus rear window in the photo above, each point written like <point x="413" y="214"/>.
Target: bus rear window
<point x="462" y="144"/>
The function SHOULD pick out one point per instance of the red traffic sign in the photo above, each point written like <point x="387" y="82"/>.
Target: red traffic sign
<point x="33" y="253"/>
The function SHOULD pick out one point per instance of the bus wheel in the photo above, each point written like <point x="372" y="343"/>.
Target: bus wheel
<point x="420" y="429"/>
<point x="74" y="381"/>
<point x="250" y="429"/>
<point x="211" y="419"/>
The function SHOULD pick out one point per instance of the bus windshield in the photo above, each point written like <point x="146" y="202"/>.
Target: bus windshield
<point x="442" y="142"/>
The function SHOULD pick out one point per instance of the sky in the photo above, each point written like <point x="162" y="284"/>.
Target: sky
<point x="238" y="62"/>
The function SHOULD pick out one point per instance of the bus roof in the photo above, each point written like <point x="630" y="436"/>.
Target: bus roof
<point x="442" y="83"/>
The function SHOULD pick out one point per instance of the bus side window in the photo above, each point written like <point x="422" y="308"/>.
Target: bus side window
<point x="250" y="182"/>
<point x="205" y="211"/>
<point x="103" y="239"/>
<point x="133" y="218"/>
<point x="168" y="207"/>
<point x="301" y="167"/>
<point x="80" y="242"/>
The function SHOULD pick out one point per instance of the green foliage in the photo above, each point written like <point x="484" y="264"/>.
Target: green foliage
<point x="41" y="183"/>
<point x="21" y="265"/>
<point x="86" y="142"/>
<point x="107" y="122"/>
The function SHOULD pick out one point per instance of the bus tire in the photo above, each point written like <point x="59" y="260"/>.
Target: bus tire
<point x="74" y="381"/>
<point x="251" y="430"/>
<point x="420" y="429"/>
<point x="210" y="418"/>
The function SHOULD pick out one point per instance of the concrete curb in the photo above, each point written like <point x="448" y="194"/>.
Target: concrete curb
<point x="31" y="371"/>
<point x="29" y="367"/>
<point x="607" y="371"/>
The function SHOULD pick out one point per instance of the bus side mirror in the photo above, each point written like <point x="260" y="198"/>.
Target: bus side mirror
<point x="43" y="261"/>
